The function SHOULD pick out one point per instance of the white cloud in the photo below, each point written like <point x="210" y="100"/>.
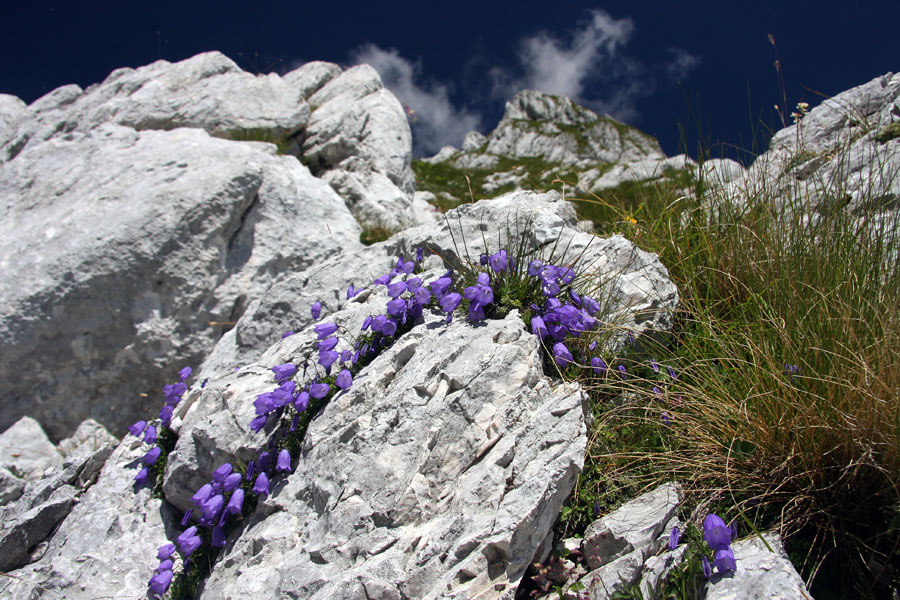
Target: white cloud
<point x="681" y="63"/>
<point x="556" y="67"/>
<point x="436" y="122"/>
<point x="591" y="66"/>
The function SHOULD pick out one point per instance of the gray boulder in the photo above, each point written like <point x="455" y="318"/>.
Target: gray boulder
<point x="310" y="77"/>
<point x="122" y="252"/>
<point x="44" y="505"/>
<point x="437" y="475"/>
<point x="358" y="139"/>
<point x="635" y="526"/>
<point x="106" y="546"/>
<point x="208" y="91"/>
<point x="26" y="452"/>
<point x="762" y="573"/>
<point x="559" y="131"/>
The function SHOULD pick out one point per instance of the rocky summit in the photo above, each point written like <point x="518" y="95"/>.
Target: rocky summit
<point x="194" y="214"/>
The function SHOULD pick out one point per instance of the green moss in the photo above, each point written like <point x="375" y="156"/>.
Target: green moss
<point x="259" y="134"/>
<point x="799" y="159"/>
<point x="373" y="235"/>
<point x="888" y="133"/>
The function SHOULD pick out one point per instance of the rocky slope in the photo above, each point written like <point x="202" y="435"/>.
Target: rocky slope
<point x="140" y="210"/>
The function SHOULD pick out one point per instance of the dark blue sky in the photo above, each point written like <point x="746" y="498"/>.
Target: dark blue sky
<point x="706" y="65"/>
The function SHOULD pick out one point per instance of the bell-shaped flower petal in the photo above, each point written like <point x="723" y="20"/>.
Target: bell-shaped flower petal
<point x="202" y="495"/>
<point x="324" y="330"/>
<point x="319" y="390"/>
<point x="152" y="455"/>
<point x="301" y="402"/>
<point x="715" y="532"/>
<point x="328" y="343"/>
<point x="344" y="380"/>
<point x="236" y="502"/>
<point x="160" y="582"/>
<point x="450" y="302"/>
<point x="316" y="310"/>
<point x="674" y="537"/>
<point x="284" y="461"/>
<point x="150" y="434"/>
<point x="261" y="486"/>
<point x="141" y="477"/>
<point x="561" y="354"/>
<point x="165" y="551"/>
<point x="232" y="481"/>
<point x="138" y="428"/>
<point x="724" y="560"/>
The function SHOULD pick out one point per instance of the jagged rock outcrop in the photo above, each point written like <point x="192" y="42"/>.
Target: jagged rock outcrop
<point x="641" y="295"/>
<point x="358" y="139"/>
<point x="140" y="218"/>
<point x="542" y="137"/>
<point x="121" y="250"/>
<point x="439" y="474"/>
<point x="105" y="546"/>
<point x="843" y="155"/>
<point x="764" y="572"/>
<point x="629" y="546"/>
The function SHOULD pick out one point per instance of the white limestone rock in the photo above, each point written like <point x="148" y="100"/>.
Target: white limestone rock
<point x="474" y="141"/>
<point x="310" y="77"/>
<point x="719" y="171"/>
<point x="437" y="475"/>
<point x="107" y="544"/>
<point x="207" y="91"/>
<point x="634" y="527"/>
<point x="761" y="573"/>
<point x="12" y="109"/>
<point x="119" y="248"/>
<point x="89" y="437"/>
<point x="44" y="504"/>
<point x="559" y="131"/>
<point x="443" y="155"/>
<point x="358" y="126"/>
<point x="606" y="580"/>
<point x="26" y="451"/>
<point x="596" y="180"/>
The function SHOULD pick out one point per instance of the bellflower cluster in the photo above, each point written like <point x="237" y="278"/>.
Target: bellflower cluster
<point x="149" y="432"/>
<point x="718" y="536"/>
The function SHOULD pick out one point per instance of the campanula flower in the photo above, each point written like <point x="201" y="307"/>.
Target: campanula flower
<point x="152" y="455"/>
<point x="715" y="532"/>
<point x="316" y="310"/>
<point x="561" y="354"/>
<point x="150" y="434"/>
<point x="142" y="475"/>
<point x="138" y="428"/>
<point x="284" y="461"/>
<point x="344" y="379"/>
<point x="185" y="373"/>
<point x="165" y="551"/>
<point x="724" y="560"/>
<point x="160" y="582"/>
<point x="236" y="502"/>
<point x="324" y="330"/>
<point x="284" y="372"/>
<point x="261" y="487"/>
<point x="674" y="536"/>
<point x="319" y="390"/>
<point x="231" y="481"/>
